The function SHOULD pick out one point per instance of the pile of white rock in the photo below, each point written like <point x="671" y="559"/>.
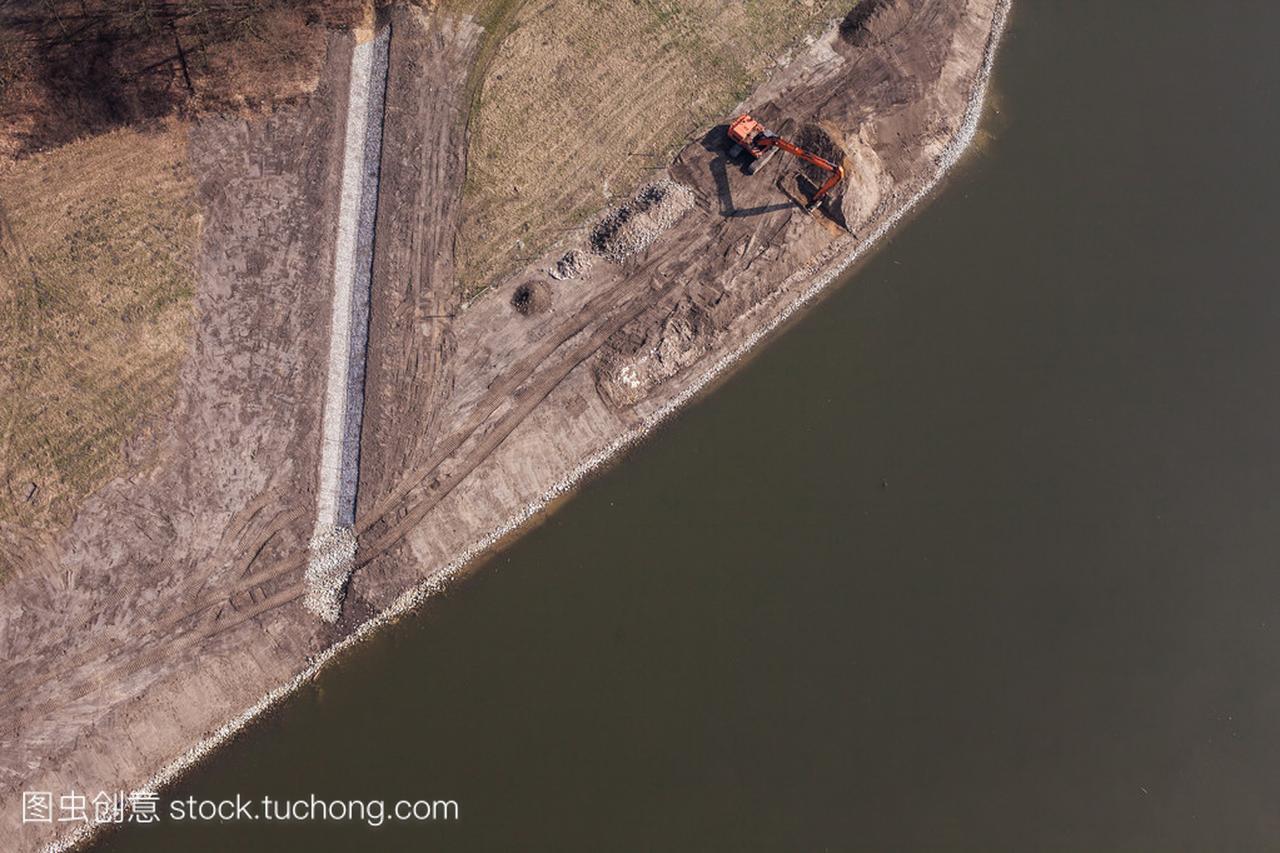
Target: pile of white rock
<point x="333" y="554"/>
<point x="572" y="264"/>
<point x="631" y="227"/>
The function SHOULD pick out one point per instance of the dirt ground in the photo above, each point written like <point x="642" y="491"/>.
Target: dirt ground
<point x="185" y="583"/>
<point x="529" y="396"/>
<point x="424" y="165"/>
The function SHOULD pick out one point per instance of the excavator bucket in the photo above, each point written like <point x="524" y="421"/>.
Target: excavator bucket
<point x="799" y="189"/>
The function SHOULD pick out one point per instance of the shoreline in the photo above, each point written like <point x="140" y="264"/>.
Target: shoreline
<point x="824" y="274"/>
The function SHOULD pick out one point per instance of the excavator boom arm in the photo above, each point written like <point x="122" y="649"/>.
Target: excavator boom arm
<point x="766" y="140"/>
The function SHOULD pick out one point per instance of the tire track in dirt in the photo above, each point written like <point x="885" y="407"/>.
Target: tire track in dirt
<point x="177" y="635"/>
<point x="193" y="624"/>
<point x="415" y="299"/>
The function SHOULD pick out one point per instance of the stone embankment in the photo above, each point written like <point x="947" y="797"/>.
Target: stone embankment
<point x="333" y="545"/>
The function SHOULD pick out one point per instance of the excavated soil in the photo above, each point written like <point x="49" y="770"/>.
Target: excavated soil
<point x="572" y="264"/>
<point x="873" y="22"/>
<point x="632" y="226"/>
<point x="823" y="142"/>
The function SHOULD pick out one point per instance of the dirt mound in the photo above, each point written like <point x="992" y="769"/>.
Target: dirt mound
<point x="532" y="297"/>
<point x="631" y="227"/>
<point x="682" y="337"/>
<point x="572" y="264"/>
<point x="873" y="22"/>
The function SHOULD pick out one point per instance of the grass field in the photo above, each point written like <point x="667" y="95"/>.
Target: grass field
<point x="97" y="240"/>
<point x="582" y="100"/>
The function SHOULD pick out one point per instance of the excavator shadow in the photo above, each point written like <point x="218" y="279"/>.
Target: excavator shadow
<point x="799" y="188"/>
<point x="715" y="143"/>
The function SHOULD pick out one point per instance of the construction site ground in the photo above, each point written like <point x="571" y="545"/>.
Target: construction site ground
<point x="172" y="601"/>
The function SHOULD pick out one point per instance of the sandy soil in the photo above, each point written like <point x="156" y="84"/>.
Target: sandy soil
<point x="184" y="589"/>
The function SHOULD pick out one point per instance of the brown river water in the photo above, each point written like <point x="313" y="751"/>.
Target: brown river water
<point x="980" y="553"/>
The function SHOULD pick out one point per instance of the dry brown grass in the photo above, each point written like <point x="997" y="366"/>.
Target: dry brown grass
<point x="96" y="279"/>
<point x="585" y="99"/>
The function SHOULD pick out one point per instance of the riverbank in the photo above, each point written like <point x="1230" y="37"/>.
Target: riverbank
<point x="523" y="418"/>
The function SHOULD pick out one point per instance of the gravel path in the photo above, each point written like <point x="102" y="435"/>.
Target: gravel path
<point x="330" y="566"/>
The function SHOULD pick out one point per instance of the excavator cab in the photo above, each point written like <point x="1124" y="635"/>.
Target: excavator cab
<point x="756" y="140"/>
<point x="744" y="131"/>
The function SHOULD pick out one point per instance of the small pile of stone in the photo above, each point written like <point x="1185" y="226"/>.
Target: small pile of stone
<point x="333" y="554"/>
<point x="572" y="264"/>
<point x="631" y="227"/>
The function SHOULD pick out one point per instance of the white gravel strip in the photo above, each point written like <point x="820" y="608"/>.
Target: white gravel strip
<point x="332" y="556"/>
<point x="344" y="277"/>
<point x="412" y="598"/>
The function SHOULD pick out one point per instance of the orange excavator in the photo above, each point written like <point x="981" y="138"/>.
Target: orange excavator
<point x="755" y="139"/>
